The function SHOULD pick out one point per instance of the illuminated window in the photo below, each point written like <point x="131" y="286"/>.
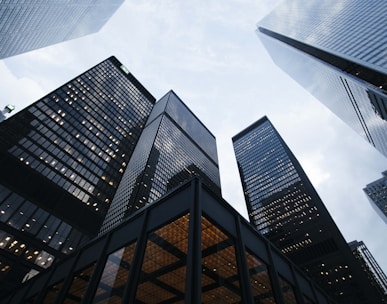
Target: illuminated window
<point x="259" y="280"/>
<point x="220" y="280"/>
<point x="287" y="291"/>
<point x="163" y="270"/>
<point x="79" y="285"/>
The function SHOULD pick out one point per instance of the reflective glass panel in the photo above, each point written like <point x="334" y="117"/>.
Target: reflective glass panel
<point x="52" y="292"/>
<point x="79" y="285"/>
<point x="307" y="300"/>
<point x="220" y="280"/>
<point x="163" y="270"/>
<point x="259" y="279"/>
<point x="287" y="291"/>
<point x="115" y="275"/>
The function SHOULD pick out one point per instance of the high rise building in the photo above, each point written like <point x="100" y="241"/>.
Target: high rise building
<point x="284" y="206"/>
<point x="370" y="266"/>
<point x="173" y="147"/>
<point x="337" y="51"/>
<point x="30" y="25"/>
<point x="61" y="161"/>
<point x="377" y="195"/>
<point x="7" y="109"/>
<point x="190" y="246"/>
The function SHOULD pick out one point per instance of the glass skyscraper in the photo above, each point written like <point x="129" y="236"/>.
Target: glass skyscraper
<point x="337" y="51"/>
<point x="190" y="246"/>
<point x="377" y="195"/>
<point x="29" y="25"/>
<point x="284" y="206"/>
<point x="61" y="160"/>
<point x="370" y="266"/>
<point x="173" y="147"/>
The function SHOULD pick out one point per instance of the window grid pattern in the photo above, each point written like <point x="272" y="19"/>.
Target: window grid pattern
<point x="265" y="169"/>
<point x="351" y="28"/>
<point x="25" y="25"/>
<point x="173" y="265"/>
<point x="342" y="48"/>
<point x="75" y="140"/>
<point x="165" y="157"/>
<point x="220" y="277"/>
<point x="115" y="275"/>
<point x="163" y="271"/>
<point x="22" y="215"/>
<point x="259" y="280"/>
<point x="294" y="218"/>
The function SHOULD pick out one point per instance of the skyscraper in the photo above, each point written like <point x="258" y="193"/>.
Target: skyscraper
<point x="377" y="195"/>
<point x="61" y="161"/>
<point x="370" y="266"/>
<point x="173" y="147"/>
<point x="284" y="206"/>
<point x="29" y="25"/>
<point x="189" y="246"/>
<point x="337" y="51"/>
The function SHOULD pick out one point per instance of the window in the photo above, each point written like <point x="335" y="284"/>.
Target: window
<point x="163" y="271"/>
<point x="115" y="275"/>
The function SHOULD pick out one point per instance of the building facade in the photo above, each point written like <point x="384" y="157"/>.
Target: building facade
<point x="370" y="266"/>
<point x="30" y="25"/>
<point x="174" y="146"/>
<point x="61" y="161"/>
<point x="284" y="206"/>
<point x="337" y="51"/>
<point x="377" y="195"/>
<point x="190" y="246"/>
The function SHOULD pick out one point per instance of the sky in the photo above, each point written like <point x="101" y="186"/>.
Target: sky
<point x="207" y="51"/>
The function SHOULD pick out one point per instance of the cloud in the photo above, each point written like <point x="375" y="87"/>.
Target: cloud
<point x="19" y="92"/>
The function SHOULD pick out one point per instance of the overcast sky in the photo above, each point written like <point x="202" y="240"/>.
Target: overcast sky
<point x="207" y="51"/>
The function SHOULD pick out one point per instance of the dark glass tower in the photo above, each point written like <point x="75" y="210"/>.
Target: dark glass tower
<point x="61" y="161"/>
<point x="337" y="51"/>
<point x="189" y="246"/>
<point x="173" y="147"/>
<point x="29" y="25"/>
<point x="370" y="266"/>
<point x="284" y="206"/>
<point x="377" y="195"/>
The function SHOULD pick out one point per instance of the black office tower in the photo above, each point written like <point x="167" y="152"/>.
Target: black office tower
<point x="284" y="206"/>
<point x="337" y="51"/>
<point x="377" y="195"/>
<point x="190" y="246"/>
<point x="61" y="161"/>
<point x="375" y="274"/>
<point x="173" y="147"/>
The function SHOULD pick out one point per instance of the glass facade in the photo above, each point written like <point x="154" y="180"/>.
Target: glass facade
<point x="377" y="195"/>
<point x="188" y="247"/>
<point x="26" y="26"/>
<point x="62" y="159"/>
<point x="370" y="266"/>
<point x="173" y="147"/>
<point x="337" y="52"/>
<point x="283" y="205"/>
<point x="115" y="272"/>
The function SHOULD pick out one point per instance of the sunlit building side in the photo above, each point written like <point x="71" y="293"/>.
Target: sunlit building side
<point x="30" y="25"/>
<point x="337" y="51"/>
